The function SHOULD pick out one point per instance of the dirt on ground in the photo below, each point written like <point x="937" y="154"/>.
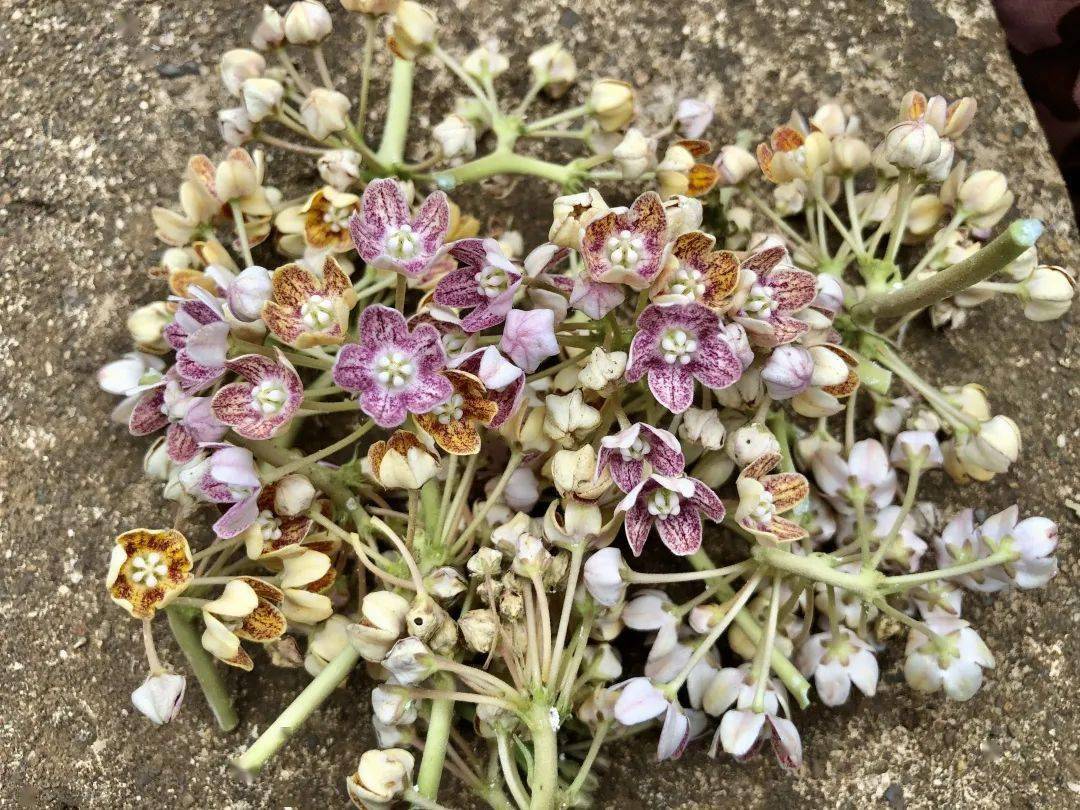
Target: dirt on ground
<point x="103" y="100"/>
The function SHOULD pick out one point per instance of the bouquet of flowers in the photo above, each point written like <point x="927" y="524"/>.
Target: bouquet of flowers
<point x="427" y="449"/>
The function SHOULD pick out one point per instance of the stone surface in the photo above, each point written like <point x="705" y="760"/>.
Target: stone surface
<point x="101" y="109"/>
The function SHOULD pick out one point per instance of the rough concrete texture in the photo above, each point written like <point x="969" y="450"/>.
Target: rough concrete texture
<point x="104" y="100"/>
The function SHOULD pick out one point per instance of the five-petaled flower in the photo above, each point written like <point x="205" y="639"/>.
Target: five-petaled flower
<point x="485" y="281"/>
<point x="504" y="381"/>
<point x="200" y="336"/>
<point x="386" y="237"/>
<point x="763" y="497"/>
<point x="675" y="505"/>
<point x="700" y="273"/>
<point x="777" y="291"/>
<point x="226" y="475"/>
<point x="627" y="452"/>
<point x="263" y="403"/>
<point x="453" y="423"/>
<point x="396" y="372"/>
<point x="676" y="344"/>
<point x="189" y="419"/>
<point x="148" y="569"/>
<point x="306" y="310"/>
<point x="628" y="247"/>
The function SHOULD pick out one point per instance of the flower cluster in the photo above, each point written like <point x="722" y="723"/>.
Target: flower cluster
<point x="436" y="453"/>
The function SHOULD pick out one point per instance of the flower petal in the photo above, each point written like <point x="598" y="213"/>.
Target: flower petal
<point x="681" y="533"/>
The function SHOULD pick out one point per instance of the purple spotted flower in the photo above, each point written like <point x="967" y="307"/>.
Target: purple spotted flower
<point x="386" y="236"/>
<point x="395" y="372"/>
<point x="264" y="402"/>
<point x="200" y="336"/>
<point x="674" y="504"/>
<point x="504" y="381"/>
<point x="628" y="451"/>
<point x="188" y="419"/>
<point x="226" y="475"/>
<point x="779" y="290"/>
<point x="485" y="281"/>
<point x="676" y="344"/>
<point x="630" y="246"/>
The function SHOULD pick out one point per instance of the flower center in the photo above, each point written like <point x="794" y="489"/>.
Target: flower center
<point x="678" y="346"/>
<point x="317" y="312"/>
<point x="148" y="568"/>
<point x="394" y="369"/>
<point x="664" y="504"/>
<point x="268" y="526"/>
<point x="491" y="281"/>
<point x="337" y="219"/>
<point x="625" y="250"/>
<point x="761" y="302"/>
<point x="269" y="397"/>
<point x="637" y="451"/>
<point x="688" y="281"/>
<point x="453" y="410"/>
<point x="763" y="511"/>
<point x="402" y="243"/>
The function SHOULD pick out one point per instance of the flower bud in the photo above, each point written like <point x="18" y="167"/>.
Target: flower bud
<point x="146" y="324"/>
<point x="410" y="661"/>
<point x="603" y="576"/>
<point x="156" y="462"/>
<point x="633" y="154"/>
<point x="789" y="198"/>
<point x="612" y="103"/>
<point x="160" y="696"/>
<point x="307" y="22"/>
<point x="485" y="562"/>
<point x="326" y="643"/>
<point x="392" y="705"/>
<point x="236" y="176"/>
<point x="829" y="367"/>
<point x="568" y="418"/>
<point x="339" y="168"/>
<point x="684" y="214"/>
<point x="1047" y="293"/>
<point x="455" y="136"/>
<point x="788" y="371"/>
<point x="380" y="778"/>
<point x="445" y="583"/>
<point x="911" y="145"/>
<point x="971" y="399"/>
<point x="479" y="628"/>
<point x="270" y="32"/>
<point x="850" y="154"/>
<point x="816" y="151"/>
<point x="750" y="442"/>
<point x="734" y="164"/>
<point x="958" y="117"/>
<point x="829" y="119"/>
<point x="574" y="473"/>
<point x="993" y="447"/>
<point x="402" y="462"/>
<point x="235" y="126"/>
<point x="372" y="7"/>
<point x="238" y="65"/>
<point x="983" y="191"/>
<point x="531" y="557"/>
<point x="703" y="427"/>
<point x="261" y="97"/>
<point x="293" y="495"/>
<point x="415" y="27"/>
<point x="693" y="116"/>
<point x="247" y="293"/>
<point x="936" y="171"/>
<point x="602" y="663"/>
<point x="381" y="624"/>
<point x="485" y="62"/>
<point x="553" y="68"/>
<point x="324" y="112"/>
<point x="603" y="370"/>
<point x="571" y="214"/>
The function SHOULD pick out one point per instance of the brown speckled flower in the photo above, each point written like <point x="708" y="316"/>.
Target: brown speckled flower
<point x="306" y="310"/>
<point x="148" y="569"/>
<point x="453" y="423"/>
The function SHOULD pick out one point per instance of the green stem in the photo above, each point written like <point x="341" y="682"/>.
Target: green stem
<point x="916" y="295"/>
<point x="202" y="664"/>
<point x="587" y="763"/>
<point x="504" y="162"/>
<point x="816" y="568"/>
<point x="435" y="742"/>
<point x="309" y="460"/>
<point x="905" y="193"/>
<point x="545" y="771"/>
<point x="290" y="720"/>
<point x="395" y="130"/>
<point x="901" y="583"/>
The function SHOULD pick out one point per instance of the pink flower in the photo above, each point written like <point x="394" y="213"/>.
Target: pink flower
<point x="779" y="290"/>
<point x="226" y="475"/>
<point x="396" y="372"/>
<point x="386" y="236"/>
<point x="260" y="406"/>
<point x="485" y="280"/>
<point x="741" y="728"/>
<point x="787" y="372"/>
<point x="595" y="298"/>
<point x="676" y="344"/>
<point x="628" y="247"/>
<point x="627" y="452"/>
<point x="504" y="381"/>
<point x="307" y="310"/>
<point x="674" y="504"/>
<point x="200" y="337"/>
<point x="189" y="419"/>
<point x="529" y="337"/>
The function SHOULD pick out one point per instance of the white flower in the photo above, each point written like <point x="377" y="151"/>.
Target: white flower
<point x="325" y="112"/>
<point x="694" y="117"/>
<point x="261" y="97"/>
<point x="920" y="444"/>
<point x="1047" y="293"/>
<point x="638" y="702"/>
<point x="1033" y="538"/>
<point x="908" y="548"/>
<point x="380" y="778"/>
<point x="410" y="661"/>
<point x="392" y="705"/>
<point x="455" y="136"/>
<point x="836" y="660"/>
<point x="866" y="469"/>
<point x="955" y="665"/>
<point x="160" y="696"/>
<point x="381" y="624"/>
<point x="238" y="65"/>
<point x="734" y="165"/>
<point x="307" y="22"/>
<point x="603" y="576"/>
<point x="634" y="153"/>
<point x="741" y="727"/>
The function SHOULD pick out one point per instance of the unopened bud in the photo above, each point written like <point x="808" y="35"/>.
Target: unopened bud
<point x="479" y="628"/>
<point x="415" y="27"/>
<point x="485" y="62"/>
<point x="238" y="65"/>
<point x="634" y="153"/>
<point x="574" y="473"/>
<point x="237" y="176"/>
<point x="911" y="145"/>
<point x="983" y="191"/>
<point x="455" y="136"/>
<point x="381" y="777"/>
<point x="325" y="112"/>
<point x="445" y="583"/>
<point x="307" y="22"/>
<point x="235" y="126"/>
<point x="788" y="371"/>
<point x="603" y="370"/>
<point x="339" y="168"/>
<point x="410" y="661"/>
<point x="694" y="117"/>
<point x="750" y="442"/>
<point x="703" y="427"/>
<point x="572" y="213"/>
<point x="382" y="623"/>
<point x="734" y="164"/>
<point x="612" y="103"/>
<point x="270" y="32"/>
<point x="850" y="154"/>
<point x="553" y="67"/>
<point x="293" y="495"/>
<point x="1047" y="293"/>
<point x="146" y="325"/>
<point x="160" y="697"/>
<point x="261" y="97"/>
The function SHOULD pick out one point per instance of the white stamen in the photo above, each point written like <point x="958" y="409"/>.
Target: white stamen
<point x="678" y="346"/>
<point x="394" y="369"/>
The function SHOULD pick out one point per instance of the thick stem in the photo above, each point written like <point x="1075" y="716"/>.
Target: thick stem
<point x="500" y="162"/>
<point x="916" y="295"/>
<point x="902" y="583"/>
<point x="290" y="720"/>
<point x="202" y="664"/>
<point x="816" y="569"/>
<point x="545" y="773"/>
<point x="438" y="734"/>
<point x="395" y="130"/>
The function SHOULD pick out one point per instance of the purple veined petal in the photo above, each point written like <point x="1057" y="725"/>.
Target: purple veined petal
<point x="201" y="423"/>
<point x="765" y="260"/>
<point x="382" y="208"/>
<point x="707" y="502"/>
<point x="675" y="734"/>
<point x="234" y="466"/>
<point x="715" y="363"/>
<point x="638" y="702"/>
<point x="427" y="393"/>
<point x="253" y="367"/>
<point x="642" y="355"/>
<point x="238" y="518"/>
<point x="792" y="290"/>
<point x="593" y="242"/>
<point x="458" y="288"/>
<point x="209" y="344"/>
<point x="672" y="385"/>
<point x="627" y="473"/>
<point x="595" y="298"/>
<point x="147" y="416"/>
<point x="681" y="533"/>
<point x="175" y="336"/>
<point x="787" y="745"/>
<point x="233" y="405"/>
<point x="387" y="408"/>
<point x="180" y="445"/>
<point x="381" y="325"/>
<point x="740" y="730"/>
<point x="352" y="368"/>
<point x="637" y="525"/>
<point x="492" y="311"/>
<point x="665" y="452"/>
<point x="785" y="330"/>
<point x="432" y="221"/>
<point x="190" y="315"/>
<point x="469" y="253"/>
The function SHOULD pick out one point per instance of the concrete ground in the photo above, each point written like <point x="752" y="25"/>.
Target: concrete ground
<point x="102" y="102"/>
